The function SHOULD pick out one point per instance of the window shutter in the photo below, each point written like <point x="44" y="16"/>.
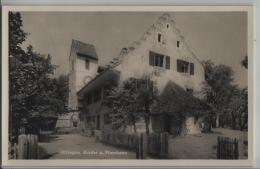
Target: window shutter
<point x="167" y="66"/>
<point x="192" y="68"/>
<point x="151" y="58"/>
<point x="179" y="64"/>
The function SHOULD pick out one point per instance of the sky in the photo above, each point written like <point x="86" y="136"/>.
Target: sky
<point x="218" y="36"/>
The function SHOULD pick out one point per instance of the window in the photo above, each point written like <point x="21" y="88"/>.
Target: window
<point x="192" y="68"/>
<point x="167" y="26"/>
<point x="87" y="64"/>
<point x="182" y="66"/>
<point x="159" y="37"/>
<point x="156" y="59"/>
<point x="185" y="67"/>
<point x="178" y="44"/>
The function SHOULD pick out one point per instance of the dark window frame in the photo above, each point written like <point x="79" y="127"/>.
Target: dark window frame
<point x="159" y="60"/>
<point x="182" y="66"/>
<point x="185" y="67"/>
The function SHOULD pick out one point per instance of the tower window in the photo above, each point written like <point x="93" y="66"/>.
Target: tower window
<point x="159" y="37"/>
<point x="178" y="44"/>
<point x="87" y="64"/>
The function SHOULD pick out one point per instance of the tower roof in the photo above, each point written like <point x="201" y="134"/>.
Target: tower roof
<point x="84" y="49"/>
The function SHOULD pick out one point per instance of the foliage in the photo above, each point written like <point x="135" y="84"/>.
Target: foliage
<point x="17" y="35"/>
<point x="147" y="95"/>
<point x="121" y="101"/>
<point x="129" y="102"/>
<point x="32" y="90"/>
<point x="238" y="109"/>
<point x="177" y="103"/>
<point x="219" y="91"/>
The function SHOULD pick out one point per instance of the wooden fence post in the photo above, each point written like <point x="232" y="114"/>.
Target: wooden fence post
<point x="139" y="147"/>
<point x="164" y="144"/>
<point x="15" y="151"/>
<point x="22" y="146"/>
<point x="227" y="148"/>
<point x="27" y="146"/>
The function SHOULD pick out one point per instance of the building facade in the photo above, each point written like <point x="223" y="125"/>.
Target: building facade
<point x="161" y="54"/>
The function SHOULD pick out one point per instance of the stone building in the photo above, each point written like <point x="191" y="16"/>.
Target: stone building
<point x="161" y="53"/>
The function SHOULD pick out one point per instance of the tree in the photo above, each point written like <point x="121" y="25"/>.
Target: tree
<point x="217" y="89"/>
<point x="237" y="108"/>
<point x="17" y="35"/>
<point x="32" y="90"/>
<point x="147" y="94"/>
<point x="121" y="100"/>
<point x="30" y="86"/>
<point x="176" y="103"/>
<point x="59" y="94"/>
<point x="130" y="101"/>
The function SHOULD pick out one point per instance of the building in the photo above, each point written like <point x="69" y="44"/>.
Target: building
<point x="161" y="53"/>
<point x="83" y="68"/>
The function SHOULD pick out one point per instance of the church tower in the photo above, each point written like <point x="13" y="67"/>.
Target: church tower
<point x="83" y="66"/>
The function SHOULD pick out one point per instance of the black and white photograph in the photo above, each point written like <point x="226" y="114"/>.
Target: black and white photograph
<point x="119" y="85"/>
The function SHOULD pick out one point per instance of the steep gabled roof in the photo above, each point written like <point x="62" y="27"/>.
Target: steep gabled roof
<point x="84" y="49"/>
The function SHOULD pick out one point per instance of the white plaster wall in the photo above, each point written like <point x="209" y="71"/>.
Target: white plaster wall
<point x="82" y="72"/>
<point x="136" y="62"/>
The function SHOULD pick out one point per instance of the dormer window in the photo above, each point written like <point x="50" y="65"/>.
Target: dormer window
<point x="159" y="37"/>
<point x="178" y="44"/>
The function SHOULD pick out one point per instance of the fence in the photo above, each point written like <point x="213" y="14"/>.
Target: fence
<point x="227" y="148"/>
<point x="120" y="139"/>
<point x="158" y="144"/>
<point x="27" y="147"/>
<point x="154" y="144"/>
